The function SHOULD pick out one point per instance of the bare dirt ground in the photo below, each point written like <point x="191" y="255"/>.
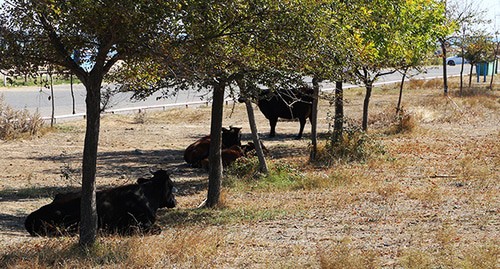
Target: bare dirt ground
<point x="430" y="200"/>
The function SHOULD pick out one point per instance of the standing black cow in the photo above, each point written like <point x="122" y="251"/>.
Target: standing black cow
<point x="287" y="104"/>
<point x="125" y="210"/>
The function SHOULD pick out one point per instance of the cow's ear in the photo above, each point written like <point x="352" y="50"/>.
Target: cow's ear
<point x="142" y="180"/>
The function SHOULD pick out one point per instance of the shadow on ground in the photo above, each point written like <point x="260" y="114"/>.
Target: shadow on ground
<point x="11" y="223"/>
<point x="10" y="195"/>
<point x="132" y="164"/>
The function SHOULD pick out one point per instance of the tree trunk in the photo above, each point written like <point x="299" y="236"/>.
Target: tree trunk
<point x="72" y="92"/>
<point x="495" y="63"/>
<point x="470" y="74"/>
<point x="88" y="223"/>
<point x="366" y="103"/>
<point x="253" y="127"/>
<point x="462" y="64"/>
<point x="255" y="138"/>
<point x="461" y="77"/>
<point x="314" y="120"/>
<point x="338" y="125"/>
<point x="52" y="115"/>
<point x="445" y="76"/>
<point x="398" y="107"/>
<point x="214" y="158"/>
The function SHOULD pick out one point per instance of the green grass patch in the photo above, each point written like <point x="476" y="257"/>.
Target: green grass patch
<point x="282" y="176"/>
<point x="62" y="128"/>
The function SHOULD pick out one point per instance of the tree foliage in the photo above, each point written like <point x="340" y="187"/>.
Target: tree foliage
<point x="88" y="38"/>
<point x="479" y="48"/>
<point x="220" y="43"/>
<point x="388" y="35"/>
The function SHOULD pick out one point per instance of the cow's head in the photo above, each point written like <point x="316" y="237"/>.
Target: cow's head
<point x="65" y="197"/>
<point x="231" y="136"/>
<point x="161" y="179"/>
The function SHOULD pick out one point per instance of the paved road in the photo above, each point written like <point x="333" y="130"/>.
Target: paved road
<point x="36" y="99"/>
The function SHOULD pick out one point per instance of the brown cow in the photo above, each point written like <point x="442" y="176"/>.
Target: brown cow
<point x="199" y="150"/>
<point x="230" y="155"/>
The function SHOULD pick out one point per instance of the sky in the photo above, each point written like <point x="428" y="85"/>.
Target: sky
<point x="492" y="8"/>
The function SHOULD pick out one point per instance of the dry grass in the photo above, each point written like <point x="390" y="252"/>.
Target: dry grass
<point x="450" y="253"/>
<point x="404" y="122"/>
<point x="429" y="200"/>
<point x="188" y="248"/>
<point x="341" y="255"/>
<point x="18" y="124"/>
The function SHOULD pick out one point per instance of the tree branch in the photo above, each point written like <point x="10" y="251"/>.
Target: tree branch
<point x="54" y="38"/>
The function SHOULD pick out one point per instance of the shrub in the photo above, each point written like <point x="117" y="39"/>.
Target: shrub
<point x="15" y="124"/>
<point x="141" y="117"/>
<point x="244" y="168"/>
<point x="354" y="145"/>
<point x="243" y="174"/>
<point x="404" y="122"/>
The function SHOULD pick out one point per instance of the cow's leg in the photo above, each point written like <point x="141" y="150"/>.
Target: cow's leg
<point x="302" y="124"/>
<point x="273" y="122"/>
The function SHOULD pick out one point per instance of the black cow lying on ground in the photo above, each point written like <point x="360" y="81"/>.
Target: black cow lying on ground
<point x="125" y="210"/>
<point x="199" y="150"/>
<point x="286" y="104"/>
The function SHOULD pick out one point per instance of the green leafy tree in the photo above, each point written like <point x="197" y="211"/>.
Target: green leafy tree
<point x="218" y="48"/>
<point x="382" y="36"/>
<point x="460" y="15"/>
<point x="422" y="23"/>
<point x="478" y="48"/>
<point x="375" y="45"/>
<point x="495" y="53"/>
<point x="227" y="43"/>
<point x="299" y="41"/>
<point x="250" y="43"/>
<point x="320" y="50"/>
<point x="39" y="32"/>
